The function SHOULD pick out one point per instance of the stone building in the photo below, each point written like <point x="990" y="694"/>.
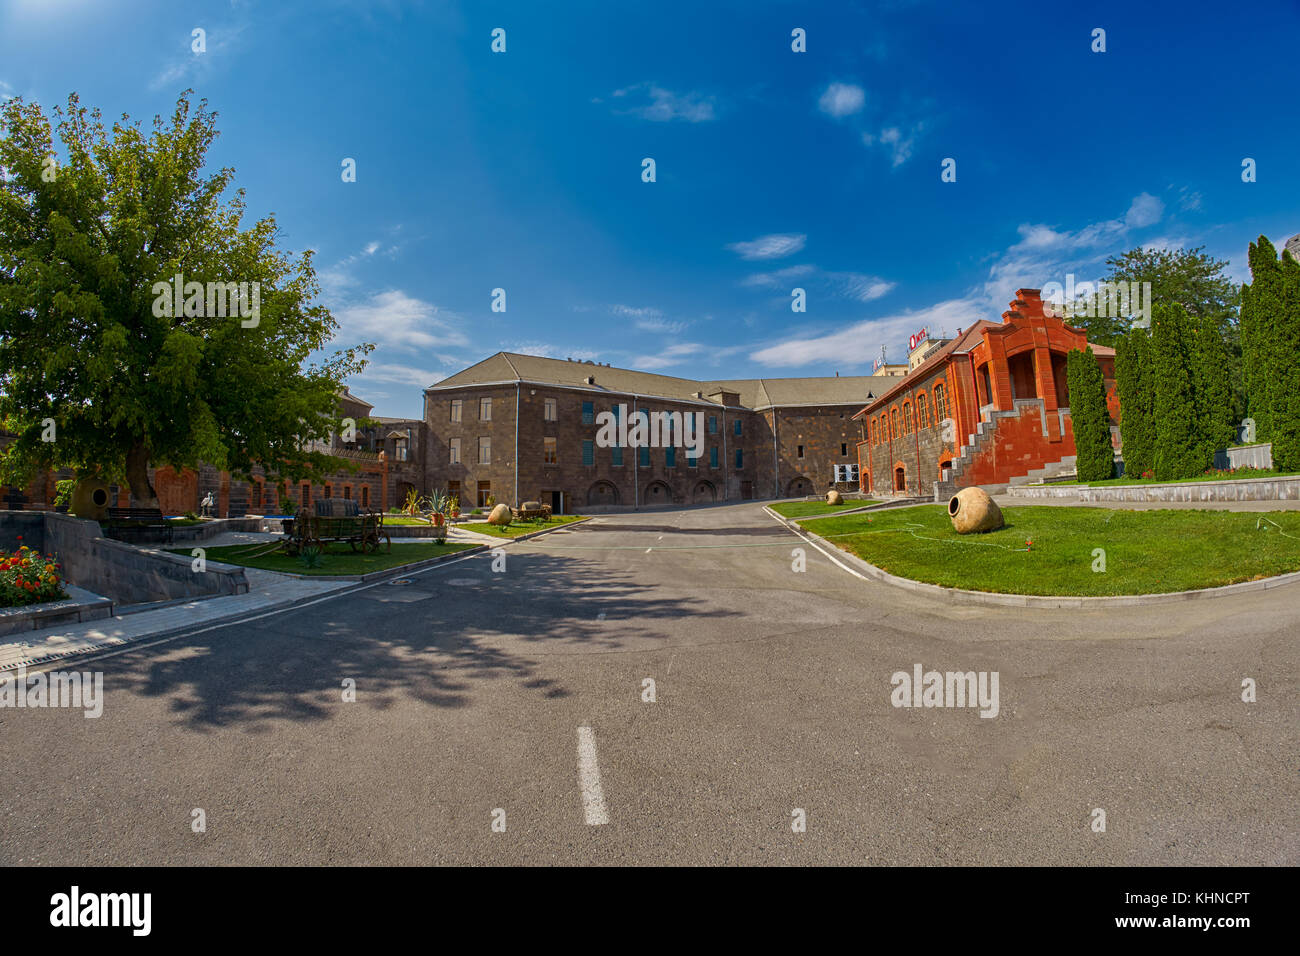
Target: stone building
<point x="514" y="428"/>
<point x="985" y="408"/>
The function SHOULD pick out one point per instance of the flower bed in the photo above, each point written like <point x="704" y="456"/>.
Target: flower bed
<point x="28" y="577"/>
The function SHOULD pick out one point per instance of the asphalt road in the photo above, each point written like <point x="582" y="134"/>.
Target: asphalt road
<point x="773" y="694"/>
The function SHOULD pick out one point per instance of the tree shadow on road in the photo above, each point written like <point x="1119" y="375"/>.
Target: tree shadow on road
<point x="469" y="627"/>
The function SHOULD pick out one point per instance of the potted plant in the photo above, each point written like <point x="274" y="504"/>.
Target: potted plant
<point x="438" y="505"/>
<point x="454" y="505"/>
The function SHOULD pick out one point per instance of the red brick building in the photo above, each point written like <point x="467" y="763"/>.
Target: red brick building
<point x="987" y="408"/>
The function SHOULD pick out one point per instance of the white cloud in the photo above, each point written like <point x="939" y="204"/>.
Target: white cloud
<point x="662" y="325"/>
<point x="674" y="354"/>
<point x="859" y="344"/>
<point x="893" y="139"/>
<point x="400" y="374"/>
<point x="635" y="313"/>
<point x="396" y="320"/>
<point x="841" y="285"/>
<point x="842" y="99"/>
<point x="774" y="246"/>
<point x="1145" y="210"/>
<point x="661" y="105"/>
<point x="189" y="66"/>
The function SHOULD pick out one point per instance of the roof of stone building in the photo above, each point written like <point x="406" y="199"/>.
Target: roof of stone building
<point x="754" y="393"/>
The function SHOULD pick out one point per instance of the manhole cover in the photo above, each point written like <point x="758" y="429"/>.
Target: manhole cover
<point x="400" y="581"/>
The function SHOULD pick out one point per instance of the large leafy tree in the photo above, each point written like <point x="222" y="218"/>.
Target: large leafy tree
<point x="84" y="236"/>
<point x="1095" y="457"/>
<point x="1133" y="383"/>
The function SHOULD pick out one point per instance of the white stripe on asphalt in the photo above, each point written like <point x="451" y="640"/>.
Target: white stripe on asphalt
<point x="593" y="797"/>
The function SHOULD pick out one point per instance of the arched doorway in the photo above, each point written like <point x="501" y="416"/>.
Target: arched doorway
<point x="404" y="488"/>
<point x="602" y="493"/>
<point x="799" y="487"/>
<point x="703" y="493"/>
<point x="900" y="478"/>
<point x="657" y="493"/>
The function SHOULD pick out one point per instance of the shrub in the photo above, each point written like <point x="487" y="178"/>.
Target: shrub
<point x="63" y="492"/>
<point x="310" y="557"/>
<point x="28" y="577"/>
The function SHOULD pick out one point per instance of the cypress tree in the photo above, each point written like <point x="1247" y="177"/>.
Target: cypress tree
<point x="1133" y="383"/>
<point x="1213" y="394"/>
<point x="1285" y="419"/>
<point x="1179" y="449"/>
<point x="1252" y="362"/>
<point x="1268" y="354"/>
<point x="1095" y="457"/>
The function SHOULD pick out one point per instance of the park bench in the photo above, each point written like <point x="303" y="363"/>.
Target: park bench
<point x="338" y="519"/>
<point x="126" y="523"/>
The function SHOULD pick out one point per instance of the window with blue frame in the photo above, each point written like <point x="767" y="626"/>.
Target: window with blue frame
<point x="740" y="458"/>
<point x="616" y="456"/>
<point x="588" y="452"/>
<point x="588" y="413"/>
<point x="737" y="426"/>
<point x="643" y="456"/>
<point x="713" y="457"/>
<point x="692" y="461"/>
<point x="670" y="457"/>
<point x="713" y="425"/>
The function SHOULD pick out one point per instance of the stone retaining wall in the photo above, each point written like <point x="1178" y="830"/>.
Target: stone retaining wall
<point x="1238" y="489"/>
<point x="126" y="574"/>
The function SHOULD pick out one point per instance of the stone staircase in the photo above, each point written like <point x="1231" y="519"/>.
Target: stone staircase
<point x="986" y="432"/>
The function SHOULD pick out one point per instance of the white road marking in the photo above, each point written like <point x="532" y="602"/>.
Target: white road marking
<point x="593" y="797"/>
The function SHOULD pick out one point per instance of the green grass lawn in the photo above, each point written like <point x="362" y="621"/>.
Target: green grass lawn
<point x="405" y="521"/>
<point x="804" y="509"/>
<point x="1146" y="552"/>
<point x="337" y="559"/>
<point x="1216" y="476"/>
<point x="516" y="528"/>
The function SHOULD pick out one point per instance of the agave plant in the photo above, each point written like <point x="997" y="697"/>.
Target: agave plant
<point x="310" y="556"/>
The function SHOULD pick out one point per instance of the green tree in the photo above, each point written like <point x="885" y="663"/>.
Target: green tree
<point x="1213" y="393"/>
<point x="1264" y="352"/>
<point x="1286" y="413"/>
<point x="1095" y="456"/>
<point x="1179" y="450"/>
<point x="1133" y="384"/>
<point x="87" y="340"/>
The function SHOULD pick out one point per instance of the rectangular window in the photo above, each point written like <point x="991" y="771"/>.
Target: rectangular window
<point x="484" y="493"/>
<point x="670" y="457"/>
<point x="588" y="413"/>
<point x="713" y="457"/>
<point x="692" y="461"/>
<point x="588" y="452"/>
<point x="737" y="426"/>
<point x="844" y="449"/>
<point x="643" y="456"/>
<point x="616" y="456"/>
<point x="740" y="458"/>
<point x="713" y="425"/>
<point x="548" y="410"/>
<point x="485" y="451"/>
<point x="799" y="452"/>
<point x="549" y="454"/>
<point x="485" y="409"/>
<point x="455" y="409"/>
<point x="365" y="496"/>
<point x="454" y="447"/>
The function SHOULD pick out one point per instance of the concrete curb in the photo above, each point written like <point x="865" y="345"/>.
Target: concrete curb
<point x="996" y="599"/>
<point x="394" y="572"/>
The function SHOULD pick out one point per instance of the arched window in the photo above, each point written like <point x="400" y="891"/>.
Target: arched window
<point x="365" y="496"/>
<point x="907" y="418"/>
<point x="922" y="411"/>
<point x="940" y="402"/>
<point x="893" y="423"/>
<point x="329" y="490"/>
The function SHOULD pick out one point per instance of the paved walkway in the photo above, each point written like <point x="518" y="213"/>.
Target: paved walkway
<point x="266" y="590"/>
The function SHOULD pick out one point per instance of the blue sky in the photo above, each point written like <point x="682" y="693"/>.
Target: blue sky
<point x="820" y="170"/>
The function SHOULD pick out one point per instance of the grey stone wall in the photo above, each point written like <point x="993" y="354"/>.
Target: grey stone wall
<point x="115" y="570"/>
<point x="1241" y="489"/>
